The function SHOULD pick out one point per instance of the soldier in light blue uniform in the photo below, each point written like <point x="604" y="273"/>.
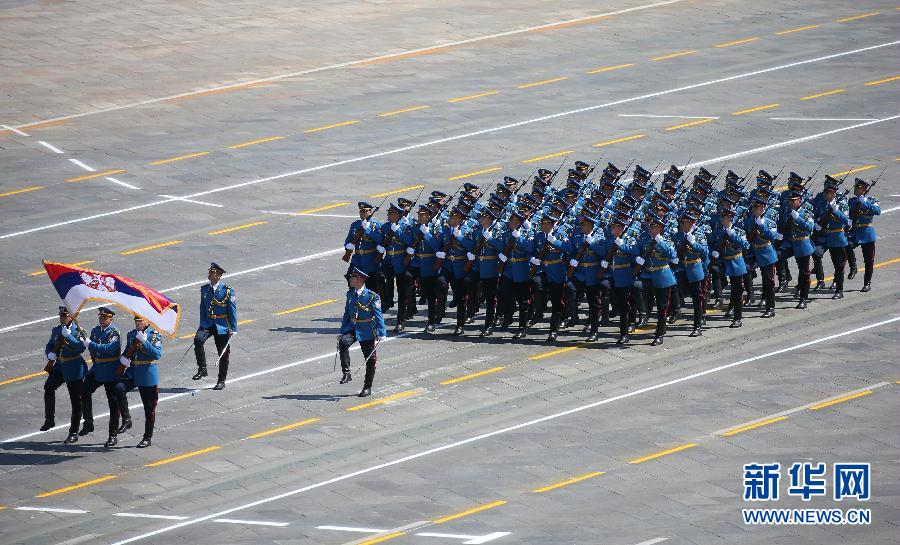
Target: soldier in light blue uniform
<point x="425" y="246"/>
<point x="218" y="319"/>
<point x="362" y="240"/>
<point x="486" y="257"/>
<point x="143" y="348"/>
<point x="464" y="282"/>
<point x="363" y="322"/>
<point x="762" y="234"/>
<point x="515" y="280"/>
<point x="863" y="210"/>
<point x="64" y="349"/>
<point x="551" y="267"/>
<point x="797" y="226"/>
<point x="692" y="255"/>
<point x="656" y="253"/>
<point x="623" y="290"/>
<point x="587" y="248"/>
<point x="832" y="217"/>
<point x="729" y="242"/>
<point x="104" y="346"/>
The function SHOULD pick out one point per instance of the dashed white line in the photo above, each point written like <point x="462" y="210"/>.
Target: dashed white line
<point x="148" y="516"/>
<point x="82" y="165"/>
<point x="253" y="522"/>
<point x="15" y="130"/>
<point x="353" y="529"/>
<point x="192" y="201"/>
<point x="823" y="119"/>
<point x="470" y="540"/>
<point x="120" y="182"/>
<point x="53" y="510"/>
<point x="653" y="541"/>
<point x="50" y="147"/>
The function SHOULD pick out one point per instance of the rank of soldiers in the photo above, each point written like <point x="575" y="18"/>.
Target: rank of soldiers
<point x="623" y="243"/>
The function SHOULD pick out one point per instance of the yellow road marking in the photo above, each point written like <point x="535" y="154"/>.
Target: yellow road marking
<point x="877" y="265"/>
<point x="254" y="142"/>
<point x="414" y="108"/>
<point x="854" y="170"/>
<point x="283" y="428"/>
<point x="155" y="246"/>
<point x="544" y="82"/>
<point x="457" y="379"/>
<point x="737" y="42"/>
<point x="880" y="81"/>
<point x="476" y="173"/>
<point x="19" y="379"/>
<point x="23" y="190"/>
<point x="542" y="157"/>
<point x="401" y="395"/>
<point x="742" y="429"/>
<point x="333" y="126"/>
<point x="75" y="486"/>
<point x="322" y="208"/>
<point x="394" y="192"/>
<point x="840" y="400"/>
<point x="238" y="228"/>
<point x="188" y="336"/>
<point x="609" y="68"/>
<point x="673" y="55"/>
<point x="758" y="108"/>
<point x="305" y="307"/>
<point x="93" y="175"/>
<point x="183" y="456"/>
<point x="567" y="482"/>
<point x="399" y="56"/>
<point x="569" y="24"/>
<point x="616" y="141"/>
<point x="662" y="453"/>
<point x="855" y="17"/>
<point x="825" y="94"/>
<point x="383" y="538"/>
<point x="467" y="512"/>
<point x="225" y="90"/>
<point x="243" y="322"/>
<point x="555" y="352"/>
<point x="472" y="97"/>
<point x="180" y="158"/>
<point x="44" y="271"/>
<point x="799" y="29"/>
<point x="690" y="124"/>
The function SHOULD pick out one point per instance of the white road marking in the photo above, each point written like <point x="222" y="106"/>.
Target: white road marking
<point x="146" y="516"/>
<point x="673" y="116"/>
<point x="353" y="529"/>
<point x="471" y="540"/>
<point x="502" y="431"/>
<point x="120" y="182"/>
<point x="53" y="510"/>
<point x="15" y="130"/>
<point x="50" y="147"/>
<point x="356" y="62"/>
<point x="192" y="201"/>
<point x="894" y="209"/>
<point x="450" y="139"/>
<point x="653" y="541"/>
<point x="253" y="522"/>
<point x="822" y="118"/>
<point x="82" y="165"/>
<point x="327" y="215"/>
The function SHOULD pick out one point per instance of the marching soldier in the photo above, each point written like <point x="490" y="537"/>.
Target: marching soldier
<point x="104" y="345"/>
<point x="798" y="228"/>
<point x="64" y="351"/>
<point x="362" y="242"/>
<point x="485" y="257"/>
<point x="143" y="348"/>
<point x="218" y="319"/>
<point x="831" y="214"/>
<point x="623" y="279"/>
<point x="730" y="242"/>
<point x="362" y="322"/>
<point x="657" y="253"/>
<point x="863" y="210"/>
<point x="692" y="253"/>
<point x="761" y="234"/>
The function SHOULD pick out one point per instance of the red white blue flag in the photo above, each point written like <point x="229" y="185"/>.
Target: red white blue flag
<point x="77" y="285"/>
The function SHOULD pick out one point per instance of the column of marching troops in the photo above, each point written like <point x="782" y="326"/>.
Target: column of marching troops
<point x="623" y="246"/>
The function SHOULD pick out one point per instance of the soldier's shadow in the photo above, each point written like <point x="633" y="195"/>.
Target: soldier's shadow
<point x="311" y="397"/>
<point x="317" y="330"/>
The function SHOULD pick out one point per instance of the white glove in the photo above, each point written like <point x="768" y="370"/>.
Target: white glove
<point x="834" y="206"/>
<point x="730" y="231"/>
<point x="573" y="262"/>
<point x="349" y="246"/>
<point x="620" y="242"/>
<point x="589" y="239"/>
<point x="535" y="261"/>
<point x="778" y="236"/>
<point x="639" y="260"/>
<point x="551" y="238"/>
<point x="691" y="239"/>
<point x="140" y="336"/>
<point x="424" y="229"/>
<point x="715" y="254"/>
<point x="517" y="233"/>
<point x="817" y="227"/>
<point x="487" y="235"/>
<point x="658" y="239"/>
<point x="470" y="256"/>
<point x="380" y="249"/>
<point x="124" y="361"/>
<point x="863" y="199"/>
<point x="675" y="261"/>
<point x="379" y="339"/>
<point x="457" y="232"/>
<point x="411" y="251"/>
<point x="440" y="255"/>
<point x="501" y="257"/>
<point x="795" y="214"/>
<point x="604" y="263"/>
<point x="760" y="221"/>
<point x="395" y="227"/>
<point x="604" y="283"/>
<point x="527" y="225"/>
<point x="365" y="224"/>
<point x="51" y="356"/>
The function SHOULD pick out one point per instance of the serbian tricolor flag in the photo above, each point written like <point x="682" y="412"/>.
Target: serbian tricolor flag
<point x="76" y="286"/>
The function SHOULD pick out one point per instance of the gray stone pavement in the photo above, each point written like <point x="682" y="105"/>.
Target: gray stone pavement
<point x="691" y="496"/>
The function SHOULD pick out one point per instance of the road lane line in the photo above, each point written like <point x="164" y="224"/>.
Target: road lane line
<point x="464" y="377"/>
<point x="756" y="109"/>
<point x="799" y="29"/>
<point x="609" y="68"/>
<point x="77" y="264"/>
<point x="146" y="516"/>
<point x="382" y="538"/>
<point x="120" y="182"/>
<point x="857" y="17"/>
<point x="50" y="147"/>
<point x="237" y="228"/>
<point x="840" y="400"/>
<point x="880" y="81"/>
<point x="476" y="173"/>
<point x="736" y="42"/>
<point x="53" y="510"/>
<point x="23" y="190"/>
<point x="825" y="94"/>
<point x="853" y="170"/>
<point x="689" y="124"/>
<point x="179" y="158"/>
<point x="753" y="426"/>
<point x="24" y="377"/>
<point x="323" y="208"/>
<point x="469" y="135"/>
<point x="497" y="432"/>
<point x="680" y="116"/>
<point x="15" y="130"/>
<point x="352" y="529"/>
<point x="253" y="522"/>
<point x="543" y="82"/>
<point x="96" y="175"/>
<point x="305" y="307"/>
<point x="674" y="55"/>
<point x="471" y="511"/>
<point x="616" y="141"/>
<point x="383" y="400"/>
<point x="182" y="456"/>
<point x="473" y="97"/>
<point x="173" y="198"/>
<point x="255" y="142"/>
<point x="552" y="155"/>
<point x="567" y="482"/>
<point x="403" y="111"/>
<point x="662" y="453"/>
<point x="75" y="486"/>
<point x="82" y="165"/>
<point x="153" y="247"/>
<point x="332" y="126"/>
<point x="396" y="191"/>
<point x="556" y="352"/>
<point x="283" y="428"/>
